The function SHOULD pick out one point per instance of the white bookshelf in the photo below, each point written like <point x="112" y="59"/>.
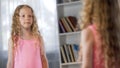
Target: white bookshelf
<point x="70" y="8"/>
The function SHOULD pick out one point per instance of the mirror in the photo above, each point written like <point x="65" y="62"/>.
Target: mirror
<point x="45" y="11"/>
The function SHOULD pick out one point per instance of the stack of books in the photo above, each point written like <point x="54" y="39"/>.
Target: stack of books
<point x="67" y="24"/>
<point x="69" y="53"/>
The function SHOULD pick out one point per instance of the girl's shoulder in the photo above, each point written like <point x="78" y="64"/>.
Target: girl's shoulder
<point x="38" y="38"/>
<point x="91" y="29"/>
<point x="87" y="33"/>
<point x="88" y="30"/>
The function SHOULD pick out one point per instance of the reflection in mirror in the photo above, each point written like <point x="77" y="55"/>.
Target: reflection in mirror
<point x="46" y="19"/>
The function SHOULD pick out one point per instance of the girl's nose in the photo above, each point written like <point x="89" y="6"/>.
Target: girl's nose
<point x="28" y="17"/>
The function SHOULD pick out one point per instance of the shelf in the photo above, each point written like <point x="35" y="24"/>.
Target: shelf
<point x="72" y="63"/>
<point x="65" y="9"/>
<point x="69" y="3"/>
<point x="69" y="33"/>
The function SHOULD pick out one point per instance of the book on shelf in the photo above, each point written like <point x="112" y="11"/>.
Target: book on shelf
<point x="69" y="53"/>
<point x="64" y="60"/>
<point x="61" y="28"/>
<point x="73" y="20"/>
<point x="75" y="48"/>
<point x="67" y="24"/>
<point x="70" y="23"/>
<point x="63" y="25"/>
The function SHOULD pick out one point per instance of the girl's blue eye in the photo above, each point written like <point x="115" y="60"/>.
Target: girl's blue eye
<point x="23" y="15"/>
<point x="29" y="15"/>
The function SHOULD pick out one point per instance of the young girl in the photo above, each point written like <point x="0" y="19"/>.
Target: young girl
<point x="26" y="48"/>
<point x="99" y="39"/>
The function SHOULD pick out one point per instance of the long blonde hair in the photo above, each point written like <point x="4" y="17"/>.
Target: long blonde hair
<point x="16" y="29"/>
<point x="104" y="13"/>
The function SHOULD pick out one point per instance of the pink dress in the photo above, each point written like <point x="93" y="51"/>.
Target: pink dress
<point x="27" y="54"/>
<point x="98" y="56"/>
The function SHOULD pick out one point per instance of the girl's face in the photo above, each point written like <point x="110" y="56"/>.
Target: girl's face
<point x="26" y="17"/>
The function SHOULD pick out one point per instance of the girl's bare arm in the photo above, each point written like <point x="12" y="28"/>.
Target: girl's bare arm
<point x="87" y="48"/>
<point x="43" y="55"/>
<point x="10" y="63"/>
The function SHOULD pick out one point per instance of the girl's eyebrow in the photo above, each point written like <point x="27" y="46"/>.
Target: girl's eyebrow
<point x="25" y="14"/>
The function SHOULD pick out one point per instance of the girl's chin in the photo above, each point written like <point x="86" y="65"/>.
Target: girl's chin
<point x="26" y="27"/>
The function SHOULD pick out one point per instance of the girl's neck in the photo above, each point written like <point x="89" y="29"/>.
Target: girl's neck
<point x="26" y="34"/>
